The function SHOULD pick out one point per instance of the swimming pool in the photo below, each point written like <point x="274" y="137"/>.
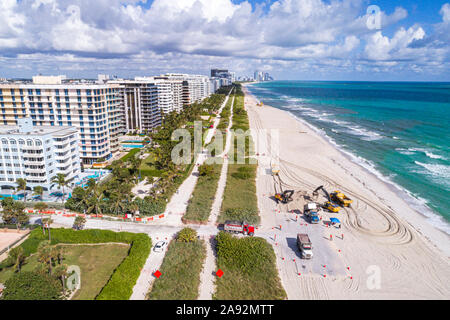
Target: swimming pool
<point x="133" y="146"/>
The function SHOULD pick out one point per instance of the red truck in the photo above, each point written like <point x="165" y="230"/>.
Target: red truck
<point x="239" y="227"/>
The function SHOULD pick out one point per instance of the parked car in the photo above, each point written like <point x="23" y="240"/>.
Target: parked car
<point x="159" y="246"/>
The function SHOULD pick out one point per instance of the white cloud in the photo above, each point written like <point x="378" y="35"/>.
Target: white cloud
<point x="190" y="34"/>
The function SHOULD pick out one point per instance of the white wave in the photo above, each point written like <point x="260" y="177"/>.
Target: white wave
<point x="437" y="170"/>
<point x="395" y="138"/>
<point x="433" y="156"/>
<point x="367" y="134"/>
<point x="404" y="151"/>
<point x="427" y="152"/>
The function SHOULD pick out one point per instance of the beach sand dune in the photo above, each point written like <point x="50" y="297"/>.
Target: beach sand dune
<point x="384" y="250"/>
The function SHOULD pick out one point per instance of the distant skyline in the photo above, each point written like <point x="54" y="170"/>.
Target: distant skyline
<point x="290" y="39"/>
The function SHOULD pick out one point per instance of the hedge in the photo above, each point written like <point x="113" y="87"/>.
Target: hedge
<point x="120" y="285"/>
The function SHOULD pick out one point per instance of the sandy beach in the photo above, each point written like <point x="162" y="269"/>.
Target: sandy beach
<point x="384" y="249"/>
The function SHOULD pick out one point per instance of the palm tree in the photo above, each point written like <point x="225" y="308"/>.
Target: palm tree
<point x="17" y="257"/>
<point x="48" y="222"/>
<point x="96" y="201"/>
<point x="60" y="272"/>
<point x="45" y="255"/>
<point x="22" y="186"/>
<point x="60" y="180"/>
<point x="41" y="206"/>
<point x="38" y="191"/>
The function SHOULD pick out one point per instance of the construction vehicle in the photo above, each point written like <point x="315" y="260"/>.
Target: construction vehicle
<point x="341" y="198"/>
<point x="331" y="206"/>
<point x="275" y="170"/>
<point x="239" y="227"/>
<point x="310" y="210"/>
<point x="304" y="245"/>
<point x="316" y="193"/>
<point x="284" y="197"/>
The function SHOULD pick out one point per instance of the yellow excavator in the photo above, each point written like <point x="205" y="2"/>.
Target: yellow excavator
<point x="341" y="198"/>
<point x="284" y="197"/>
<point x="329" y="205"/>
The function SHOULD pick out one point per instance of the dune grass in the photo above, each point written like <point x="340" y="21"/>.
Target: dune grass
<point x="200" y="205"/>
<point x="180" y="269"/>
<point x="249" y="266"/>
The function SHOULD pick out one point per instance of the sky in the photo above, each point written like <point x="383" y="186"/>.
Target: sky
<point x="291" y="39"/>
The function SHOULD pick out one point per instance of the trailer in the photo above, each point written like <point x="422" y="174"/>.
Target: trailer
<point x="239" y="227"/>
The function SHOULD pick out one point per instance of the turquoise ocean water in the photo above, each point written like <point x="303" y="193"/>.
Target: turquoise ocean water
<point x="400" y="131"/>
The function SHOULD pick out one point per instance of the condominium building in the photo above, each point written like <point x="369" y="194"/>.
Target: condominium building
<point x="145" y="100"/>
<point x="139" y="104"/>
<point x="37" y="154"/>
<point x="195" y="87"/>
<point x="94" y="109"/>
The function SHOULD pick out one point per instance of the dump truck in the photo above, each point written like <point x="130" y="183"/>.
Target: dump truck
<point x="341" y="198"/>
<point x="304" y="245"/>
<point x="239" y="227"/>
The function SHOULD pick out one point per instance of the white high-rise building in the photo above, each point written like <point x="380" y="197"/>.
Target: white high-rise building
<point x="94" y="109"/>
<point x="37" y="154"/>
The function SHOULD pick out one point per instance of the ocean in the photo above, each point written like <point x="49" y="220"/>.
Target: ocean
<point x="400" y="131"/>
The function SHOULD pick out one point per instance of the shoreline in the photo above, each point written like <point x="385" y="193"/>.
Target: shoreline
<point x="381" y="228"/>
<point x="400" y="191"/>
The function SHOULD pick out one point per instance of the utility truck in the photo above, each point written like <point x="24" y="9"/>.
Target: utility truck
<point x="239" y="227"/>
<point x="304" y="245"/>
<point x="311" y="211"/>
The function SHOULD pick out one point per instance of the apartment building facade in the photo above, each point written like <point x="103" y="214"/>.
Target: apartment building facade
<point x="94" y="109"/>
<point x="145" y="100"/>
<point x="37" y="154"/>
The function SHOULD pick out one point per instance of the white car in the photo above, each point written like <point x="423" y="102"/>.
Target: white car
<point x="159" y="246"/>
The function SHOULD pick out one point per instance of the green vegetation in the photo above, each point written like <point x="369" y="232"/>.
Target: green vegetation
<point x="249" y="267"/>
<point x="32" y="286"/>
<point x="97" y="263"/>
<point x="148" y="167"/>
<point x="181" y="267"/>
<point x="120" y="285"/>
<point x="14" y="212"/>
<point x="240" y="201"/>
<point x="200" y="204"/>
<point x="130" y="154"/>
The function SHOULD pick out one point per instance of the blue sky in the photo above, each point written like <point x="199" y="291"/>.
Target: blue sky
<point x="291" y="39"/>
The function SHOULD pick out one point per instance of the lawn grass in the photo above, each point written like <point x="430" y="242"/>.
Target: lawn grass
<point x="97" y="263"/>
<point x="249" y="266"/>
<point x="200" y="204"/>
<point x="148" y="168"/>
<point x="180" y="269"/>
<point x="130" y="154"/>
